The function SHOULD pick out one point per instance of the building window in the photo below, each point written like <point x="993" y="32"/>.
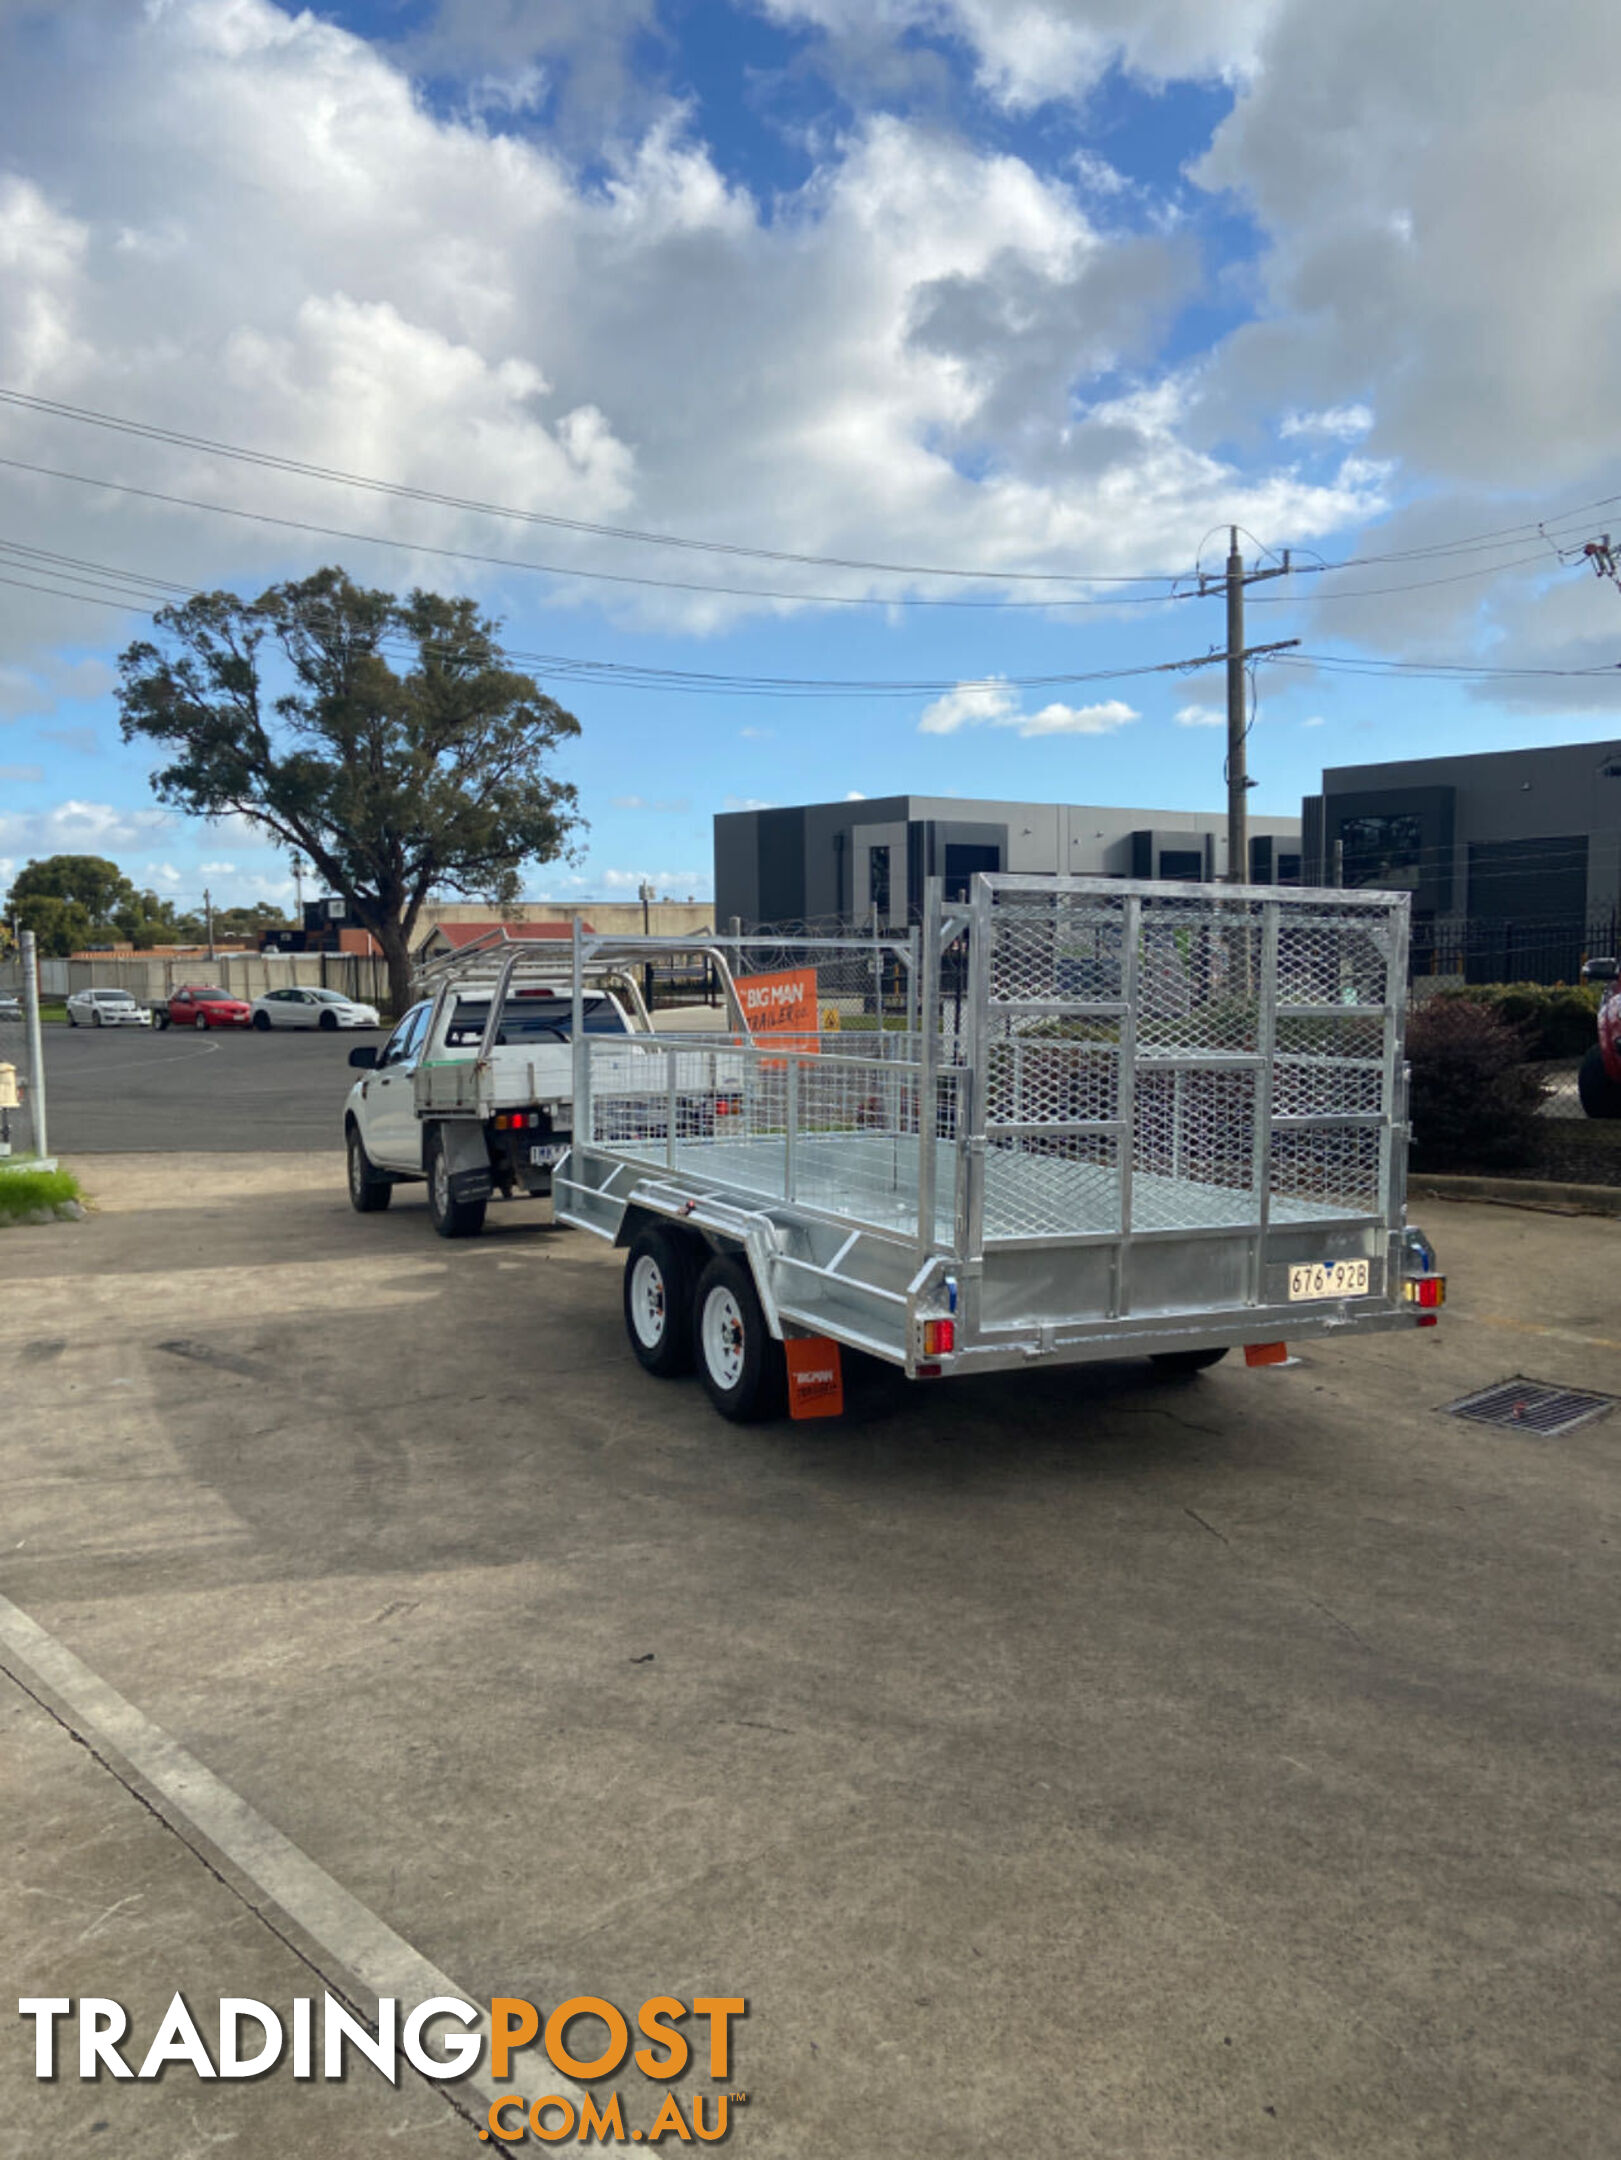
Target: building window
<point x="878" y="881"/>
<point x="964" y="862"/>
<point x="1186" y="864"/>
<point x="1384" y="851"/>
<point x="1288" y="869"/>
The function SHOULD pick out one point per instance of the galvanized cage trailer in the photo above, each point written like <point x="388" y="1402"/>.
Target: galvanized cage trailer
<point x="1115" y="1118"/>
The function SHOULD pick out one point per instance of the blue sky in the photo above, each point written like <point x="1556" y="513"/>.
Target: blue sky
<point x="1049" y="290"/>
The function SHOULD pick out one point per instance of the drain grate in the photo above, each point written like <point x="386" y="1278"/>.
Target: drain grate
<point x="1531" y="1406"/>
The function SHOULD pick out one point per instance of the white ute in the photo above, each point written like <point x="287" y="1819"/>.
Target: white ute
<point x="473" y="1090"/>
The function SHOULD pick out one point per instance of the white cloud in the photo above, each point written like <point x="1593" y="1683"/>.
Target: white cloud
<point x="881" y="363"/>
<point x="1339" y="423"/>
<point x="745" y="802"/>
<point x="1316" y="721"/>
<point x="216" y="869"/>
<point x="22" y="773"/>
<point x="642" y="802"/>
<point x="995" y="704"/>
<point x="855" y="795"/>
<point x="757" y="734"/>
<point x="1075" y="719"/>
<point x="166" y="873"/>
<point x="668" y="884"/>
<point x="1200" y="716"/>
<point x="969" y="705"/>
<point x="1028" y="52"/>
<point x="80" y="828"/>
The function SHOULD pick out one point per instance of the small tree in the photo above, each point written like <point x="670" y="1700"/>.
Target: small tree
<point x="1473" y="1099"/>
<point x="66" y="900"/>
<point x="394" y="782"/>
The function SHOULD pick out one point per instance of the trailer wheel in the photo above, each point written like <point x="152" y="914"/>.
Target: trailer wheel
<point x="660" y="1271"/>
<point x="451" y="1217"/>
<point x="369" y="1193"/>
<point x="1173" y="1362"/>
<point x="739" y="1362"/>
<point x="1600" y="1095"/>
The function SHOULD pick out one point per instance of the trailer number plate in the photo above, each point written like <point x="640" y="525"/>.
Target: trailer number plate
<point x="1335" y="1278"/>
<point x="542" y="1158"/>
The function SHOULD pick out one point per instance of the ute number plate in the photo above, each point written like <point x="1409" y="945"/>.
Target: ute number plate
<point x="542" y="1158"/>
<point x="1333" y="1278"/>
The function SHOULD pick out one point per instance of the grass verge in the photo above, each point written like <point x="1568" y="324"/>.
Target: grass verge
<point x="24" y="1192"/>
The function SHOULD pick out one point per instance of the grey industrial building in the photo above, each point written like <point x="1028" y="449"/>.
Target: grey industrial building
<point x="820" y="861"/>
<point x="1513" y="857"/>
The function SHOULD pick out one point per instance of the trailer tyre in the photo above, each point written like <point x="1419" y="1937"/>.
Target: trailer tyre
<point x="740" y="1363"/>
<point x="1174" y="1362"/>
<point x="1600" y="1095"/>
<point x="369" y="1192"/>
<point x="451" y="1217"/>
<point x="661" y="1269"/>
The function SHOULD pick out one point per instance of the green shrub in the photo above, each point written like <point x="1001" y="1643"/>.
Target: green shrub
<point x="1474" y="1098"/>
<point x="1558" y="1020"/>
<point x="23" y="1192"/>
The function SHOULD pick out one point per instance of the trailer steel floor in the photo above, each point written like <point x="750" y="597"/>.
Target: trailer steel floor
<point x="872" y="1178"/>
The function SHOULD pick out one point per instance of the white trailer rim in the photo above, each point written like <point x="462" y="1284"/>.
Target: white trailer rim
<point x="647" y="1308"/>
<point x="722" y="1334"/>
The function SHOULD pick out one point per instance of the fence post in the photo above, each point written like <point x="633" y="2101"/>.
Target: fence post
<point x="36" y="1048"/>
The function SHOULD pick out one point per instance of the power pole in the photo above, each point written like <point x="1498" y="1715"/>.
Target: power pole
<point x="297" y="867"/>
<point x="208" y="909"/>
<point x="1238" y="781"/>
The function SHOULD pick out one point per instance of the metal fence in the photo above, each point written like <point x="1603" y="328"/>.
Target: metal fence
<point x="1544" y="949"/>
<point x="151" y="976"/>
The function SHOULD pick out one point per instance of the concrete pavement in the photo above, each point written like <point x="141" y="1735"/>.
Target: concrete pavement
<point x="1082" y="1764"/>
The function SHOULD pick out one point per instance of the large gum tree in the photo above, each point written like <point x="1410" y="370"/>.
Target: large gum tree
<point x="386" y="739"/>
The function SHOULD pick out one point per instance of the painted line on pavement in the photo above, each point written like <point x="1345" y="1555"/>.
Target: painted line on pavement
<point x="334" y="1919"/>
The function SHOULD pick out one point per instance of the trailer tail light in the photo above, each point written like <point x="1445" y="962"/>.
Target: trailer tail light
<point x="1425" y="1291"/>
<point x="939" y="1338"/>
<point x="1266" y="1353"/>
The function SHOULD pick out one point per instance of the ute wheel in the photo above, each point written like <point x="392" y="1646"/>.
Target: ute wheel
<point x="451" y="1217"/>
<point x="739" y="1362"/>
<point x="1173" y="1362"/>
<point x="661" y="1268"/>
<point x="369" y="1193"/>
<point x="328" y="1022"/>
<point x="262" y="1022"/>
<point x="1601" y="1096"/>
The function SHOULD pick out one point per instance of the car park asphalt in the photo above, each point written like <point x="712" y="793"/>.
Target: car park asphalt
<point x="1071" y="1763"/>
<point x="214" y="1090"/>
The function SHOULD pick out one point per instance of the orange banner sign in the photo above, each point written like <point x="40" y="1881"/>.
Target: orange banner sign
<point x="783" y="1004"/>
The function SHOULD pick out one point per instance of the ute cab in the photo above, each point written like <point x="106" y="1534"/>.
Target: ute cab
<point x="469" y="1104"/>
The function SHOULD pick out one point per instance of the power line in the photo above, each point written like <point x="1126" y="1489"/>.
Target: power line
<point x="277" y="461"/>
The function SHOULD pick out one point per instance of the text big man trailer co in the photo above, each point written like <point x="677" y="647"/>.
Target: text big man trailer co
<point x="1119" y="1119"/>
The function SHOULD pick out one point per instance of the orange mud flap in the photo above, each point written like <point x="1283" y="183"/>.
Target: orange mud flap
<point x="815" y="1377"/>
<point x="1266" y="1353"/>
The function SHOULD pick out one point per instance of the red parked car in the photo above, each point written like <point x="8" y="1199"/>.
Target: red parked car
<point x="1599" y="1081"/>
<point x="197" y="1005"/>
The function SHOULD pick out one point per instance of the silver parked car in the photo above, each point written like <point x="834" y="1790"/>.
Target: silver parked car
<point x="11" y="1006"/>
<point x="303" y="1008"/>
<point x="107" y="1008"/>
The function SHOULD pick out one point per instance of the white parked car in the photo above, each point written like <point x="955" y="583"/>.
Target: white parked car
<point x="11" y="1008"/>
<point x="302" y="1008"/>
<point x="107" y="1008"/>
